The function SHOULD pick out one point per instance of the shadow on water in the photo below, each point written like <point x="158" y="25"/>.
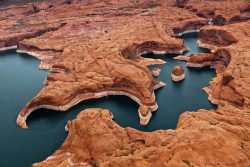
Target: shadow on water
<point x="21" y="81"/>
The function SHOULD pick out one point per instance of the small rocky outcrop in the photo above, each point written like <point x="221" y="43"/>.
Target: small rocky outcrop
<point x="156" y="71"/>
<point x="144" y="114"/>
<point x="178" y="73"/>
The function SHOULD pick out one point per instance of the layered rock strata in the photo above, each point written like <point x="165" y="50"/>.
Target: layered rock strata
<point x="178" y="73"/>
<point x="156" y="71"/>
<point x="230" y="47"/>
<point x="219" y="12"/>
<point x="144" y="114"/>
<point x="203" y="138"/>
<point x="96" y="48"/>
<point x="232" y="64"/>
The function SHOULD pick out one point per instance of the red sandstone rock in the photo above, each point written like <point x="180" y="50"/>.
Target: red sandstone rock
<point x="202" y="60"/>
<point x="97" y="52"/>
<point x="220" y="12"/>
<point x="177" y="73"/>
<point x="95" y="48"/>
<point x="230" y="57"/>
<point x="204" y="138"/>
<point x="144" y="114"/>
<point x="182" y="58"/>
<point x="156" y="72"/>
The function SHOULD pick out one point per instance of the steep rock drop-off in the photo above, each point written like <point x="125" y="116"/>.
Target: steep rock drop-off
<point x="204" y="138"/>
<point x="219" y="12"/>
<point x="230" y="47"/>
<point x="94" y="49"/>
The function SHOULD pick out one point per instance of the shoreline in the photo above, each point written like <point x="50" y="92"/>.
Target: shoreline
<point x="178" y="78"/>
<point x="187" y="32"/>
<point x="8" y="48"/>
<point x="21" y="120"/>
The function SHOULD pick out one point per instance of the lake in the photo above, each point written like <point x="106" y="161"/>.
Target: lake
<point x="21" y="80"/>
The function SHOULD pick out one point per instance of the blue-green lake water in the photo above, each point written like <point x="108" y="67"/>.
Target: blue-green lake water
<point x="21" y="81"/>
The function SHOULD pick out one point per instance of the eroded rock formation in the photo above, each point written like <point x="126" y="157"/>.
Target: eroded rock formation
<point x="231" y="61"/>
<point x="230" y="56"/>
<point x="156" y="71"/>
<point x="144" y="114"/>
<point x="95" y="48"/>
<point x="204" y="138"/>
<point x="220" y="12"/>
<point x="178" y="73"/>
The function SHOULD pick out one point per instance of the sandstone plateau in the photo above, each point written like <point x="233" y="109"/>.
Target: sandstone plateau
<point x="95" y="48"/>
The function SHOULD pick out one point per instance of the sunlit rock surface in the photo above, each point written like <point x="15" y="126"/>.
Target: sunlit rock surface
<point x="156" y="71"/>
<point x="178" y="73"/>
<point x="220" y="12"/>
<point x="95" y="48"/>
<point x="230" y="47"/>
<point x="232" y="82"/>
<point x="204" y="138"/>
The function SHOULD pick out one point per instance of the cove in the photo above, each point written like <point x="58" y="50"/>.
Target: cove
<point x="21" y="81"/>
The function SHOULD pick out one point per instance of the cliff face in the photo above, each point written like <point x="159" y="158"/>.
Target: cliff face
<point x="94" y="49"/>
<point x="230" y="57"/>
<point x="220" y="12"/>
<point x="232" y="62"/>
<point x="204" y="138"/>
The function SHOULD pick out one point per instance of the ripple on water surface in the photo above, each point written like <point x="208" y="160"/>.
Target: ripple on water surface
<point x="21" y="81"/>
